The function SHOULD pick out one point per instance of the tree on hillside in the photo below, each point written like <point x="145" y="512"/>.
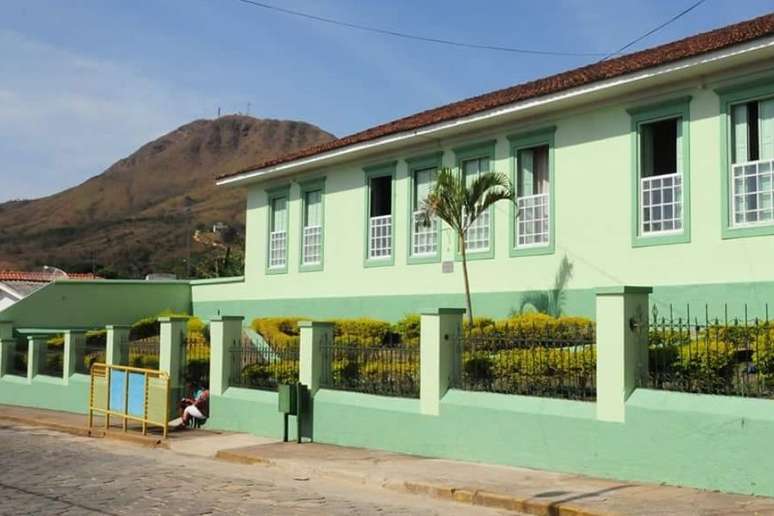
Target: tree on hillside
<point x="459" y="205"/>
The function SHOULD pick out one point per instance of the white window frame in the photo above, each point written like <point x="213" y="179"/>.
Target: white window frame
<point x="277" y="245"/>
<point x="312" y="243"/>
<point x="379" y="230"/>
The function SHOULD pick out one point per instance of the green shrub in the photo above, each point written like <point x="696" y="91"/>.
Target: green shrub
<point x="279" y="332"/>
<point x="363" y="331"/>
<point x="409" y="329"/>
<point x="269" y="374"/>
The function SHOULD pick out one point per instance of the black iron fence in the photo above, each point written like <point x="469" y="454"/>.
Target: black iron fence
<point x="384" y="366"/>
<point x="94" y="351"/>
<point x="555" y="361"/>
<point x="262" y="366"/>
<point x="52" y="361"/>
<point x="145" y="352"/>
<point x="701" y="354"/>
<point x="195" y="362"/>
<point x="18" y="361"/>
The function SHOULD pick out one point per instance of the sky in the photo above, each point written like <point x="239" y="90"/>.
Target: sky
<point x="84" y="83"/>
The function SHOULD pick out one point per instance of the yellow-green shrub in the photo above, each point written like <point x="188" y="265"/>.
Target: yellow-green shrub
<point x="279" y="332"/>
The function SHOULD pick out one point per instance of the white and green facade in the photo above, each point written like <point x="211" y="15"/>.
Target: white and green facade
<point x="660" y="177"/>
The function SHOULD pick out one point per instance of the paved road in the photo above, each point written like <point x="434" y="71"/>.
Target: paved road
<point x="45" y="472"/>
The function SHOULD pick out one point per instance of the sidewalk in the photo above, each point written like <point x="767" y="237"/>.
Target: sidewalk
<point x="517" y="489"/>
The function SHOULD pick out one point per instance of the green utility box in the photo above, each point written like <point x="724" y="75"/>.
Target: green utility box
<point x="288" y="398"/>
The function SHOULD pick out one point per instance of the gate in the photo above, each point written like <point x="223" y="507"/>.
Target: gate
<point x="195" y="359"/>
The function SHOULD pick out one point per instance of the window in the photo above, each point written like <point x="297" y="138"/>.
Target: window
<point x="311" y="245"/>
<point x="532" y="197"/>
<point x="660" y="211"/>
<point x="379" y="221"/>
<point x="661" y="176"/>
<point x="477" y="235"/>
<point x="424" y="238"/>
<point x="278" y="235"/>
<point x="752" y="163"/>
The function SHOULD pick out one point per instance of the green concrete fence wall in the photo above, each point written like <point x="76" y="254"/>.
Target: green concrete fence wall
<point x="94" y="304"/>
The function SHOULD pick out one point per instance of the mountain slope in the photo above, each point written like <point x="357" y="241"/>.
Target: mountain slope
<point x="133" y="219"/>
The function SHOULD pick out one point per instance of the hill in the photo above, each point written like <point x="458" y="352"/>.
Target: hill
<point x="138" y="215"/>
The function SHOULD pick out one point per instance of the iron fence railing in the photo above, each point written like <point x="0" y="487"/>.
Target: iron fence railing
<point x="195" y="362"/>
<point x="52" y="363"/>
<point x="374" y="366"/>
<point x="145" y="352"/>
<point x="554" y="361"/>
<point x="94" y="351"/>
<point x="262" y="367"/>
<point x="701" y="354"/>
<point x="18" y="361"/>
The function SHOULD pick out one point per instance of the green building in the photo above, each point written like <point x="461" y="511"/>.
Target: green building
<point x="654" y="168"/>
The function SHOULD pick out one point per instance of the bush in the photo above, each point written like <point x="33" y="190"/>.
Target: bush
<point x="279" y="332"/>
<point x="270" y="374"/>
<point x="409" y="328"/>
<point x="144" y="328"/>
<point x="363" y="331"/>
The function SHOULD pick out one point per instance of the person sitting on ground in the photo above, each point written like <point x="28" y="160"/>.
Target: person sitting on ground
<point x="195" y="408"/>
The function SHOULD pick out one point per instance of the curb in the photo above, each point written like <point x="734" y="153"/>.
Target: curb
<point x="97" y="433"/>
<point x="470" y="496"/>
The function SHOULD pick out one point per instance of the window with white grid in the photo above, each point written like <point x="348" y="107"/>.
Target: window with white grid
<point x="380" y="237"/>
<point x="752" y="169"/>
<point x="477" y="235"/>
<point x="662" y="203"/>
<point x="278" y="236"/>
<point x="532" y="220"/>
<point x="752" y="193"/>
<point x="532" y="201"/>
<point x="424" y="237"/>
<point x="661" y="178"/>
<point x="380" y="217"/>
<point x="311" y="248"/>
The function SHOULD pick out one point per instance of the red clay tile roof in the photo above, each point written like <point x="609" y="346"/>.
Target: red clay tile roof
<point x="689" y="47"/>
<point x="42" y="277"/>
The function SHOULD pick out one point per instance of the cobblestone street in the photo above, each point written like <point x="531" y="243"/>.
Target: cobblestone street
<point x="47" y="472"/>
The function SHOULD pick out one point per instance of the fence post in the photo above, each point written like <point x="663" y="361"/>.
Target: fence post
<point x="622" y="347"/>
<point x="7" y="344"/>
<point x="313" y="335"/>
<point x="36" y="353"/>
<point x="225" y="333"/>
<point x="171" y="337"/>
<point x="439" y="333"/>
<point x="117" y="345"/>
<point x="74" y="346"/>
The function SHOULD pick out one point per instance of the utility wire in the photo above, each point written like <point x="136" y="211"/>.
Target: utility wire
<point x="404" y="35"/>
<point x="656" y="29"/>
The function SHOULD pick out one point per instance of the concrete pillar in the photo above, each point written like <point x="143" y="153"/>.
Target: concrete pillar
<point x="171" y="341"/>
<point x="440" y="331"/>
<point x="7" y="345"/>
<point x="6" y="354"/>
<point x="313" y="336"/>
<point x="117" y="345"/>
<point x="622" y="347"/>
<point x="225" y="334"/>
<point x="74" y="346"/>
<point x="36" y="353"/>
<point x="6" y="330"/>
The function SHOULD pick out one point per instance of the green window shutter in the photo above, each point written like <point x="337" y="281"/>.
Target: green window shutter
<point x="740" y="133"/>
<point x="279" y="218"/>
<point x="646" y="150"/>
<point x="679" y="146"/>
<point x="313" y="205"/>
<point x="766" y="129"/>
<point x="526" y="172"/>
<point x="423" y="183"/>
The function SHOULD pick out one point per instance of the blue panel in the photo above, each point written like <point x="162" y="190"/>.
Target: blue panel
<point x="137" y="394"/>
<point x="117" y="390"/>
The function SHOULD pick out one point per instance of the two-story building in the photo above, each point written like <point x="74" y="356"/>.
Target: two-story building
<point x="654" y="168"/>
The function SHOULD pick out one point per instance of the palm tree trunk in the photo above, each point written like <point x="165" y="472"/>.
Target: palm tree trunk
<point x="467" y="282"/>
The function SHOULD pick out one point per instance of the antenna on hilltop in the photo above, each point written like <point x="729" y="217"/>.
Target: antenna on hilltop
<point x="248" y="109"/>
<point x="218" y="111"/>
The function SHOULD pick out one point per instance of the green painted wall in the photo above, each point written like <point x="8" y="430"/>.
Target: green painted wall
<point x="498" y="304"/>
<point x="593" y="195"/>
<point x="702" y="441"/>
<point x="47" y="393"/>
<point x="247" y="410"/>
<point x="92" y="304"/>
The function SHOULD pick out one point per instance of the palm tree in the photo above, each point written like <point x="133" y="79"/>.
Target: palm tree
<point x="459" y="205"/>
